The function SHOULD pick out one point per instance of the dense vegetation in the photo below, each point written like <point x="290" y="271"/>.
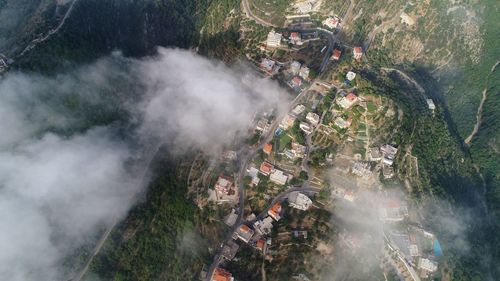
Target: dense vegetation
<point x="157" y="240"/>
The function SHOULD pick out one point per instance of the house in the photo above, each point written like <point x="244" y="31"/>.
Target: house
<point x="222" y="275"/>
<point x="389" y="153"/>
<point x="342" y="123"/>
<point x="414" y="250"/>
<point x="260" y="245"/>
<point x="229" y="250"/>
<point x="427" y="265"/>
<point x="430" y="104"/>
<point x="268" y="148"/>
<point x="269" y="66"/>
<point x="298" y="110"/>
<point x="295" y="38"/>
<point x="312" y="118"/>
<point x="230" y="220"/>
<point x="331" y="22"/>
<point x="263" y="227"/>
<point x="254" y="174"/>
<point x="347" y="101"/>
<point x="388" y="172"/>
<point x="358" y="53"/>
<point x="296" y="82"/>
<point x="275" y="211"/>
<point x="295" y="67"/>
<point x="224" y="186"/>
<point x="336" y="54"/>
<point x="266" y="168"/>
<point x="278" y="177"/>
<point x="362" y="169"/>
<point x="287" y="122"/>
<point x="299" y="201"/>
<point x="374" y="154"/>
<point x="350" y="75"/>
<point x="304" y="72"/>
<point x="229" y="155"/>
<point x="273" y="39"/>
<point x="393" y="210"/>
<point x="349" y="196"/>
<point x="244" y="233"/>
<point x="306" y="128"/>
<point x="297" y="151"/>
<point x="262" y="125"/>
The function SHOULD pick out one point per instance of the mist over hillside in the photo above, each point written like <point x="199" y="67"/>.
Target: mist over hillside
<point x="65" y="176"/>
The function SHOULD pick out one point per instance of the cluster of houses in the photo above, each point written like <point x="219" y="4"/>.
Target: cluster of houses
<point x="386" y="154"/>
<point x="275" y="175"/>
<point x="356" y="51"/>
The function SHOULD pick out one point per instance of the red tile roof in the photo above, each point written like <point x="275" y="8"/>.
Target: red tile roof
<point x="275" y="210"/>
<point x="267" y="148"/>
<point x="260" y="245"/>
<point x="297" y="81"/>
<point x="336" y="54"/>
<point x="358" y="50"/>
<point x="221" y="275"/>
<point x="266" y="167"/>
<point x="351" y="97"/>
<point x="245" y="228"/>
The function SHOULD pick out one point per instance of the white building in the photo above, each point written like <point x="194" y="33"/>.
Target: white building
<point x="268" y="65"/>
<point x="287" y="122"/>
<point x="299" y="201"/>
<point x="278" y="177"/>
<point x="306" y="128"/>
<point x="312" y="118"/>
<point x="263" y="227"/>
<point x="430" y="104"/>
<point x="295" y="67"/>
<point x="342" y="123"/>
<point x="350" y="75"/>
<point x="304" y="72"/>
<point x="273" y="39"/>
<point x="389" y="153"/>
<point x="254" y="174"/>
<point x="427" y="265"/>
<point x="298" y="109"/>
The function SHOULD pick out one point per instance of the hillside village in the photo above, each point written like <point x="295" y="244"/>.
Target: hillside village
<point x="333" y="145"/>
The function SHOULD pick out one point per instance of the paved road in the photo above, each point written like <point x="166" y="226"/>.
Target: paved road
<point x="246" y="155"/>
<point x="248" y="12"/>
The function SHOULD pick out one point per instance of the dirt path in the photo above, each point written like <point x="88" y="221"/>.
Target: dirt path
<point x="479" y="113"/>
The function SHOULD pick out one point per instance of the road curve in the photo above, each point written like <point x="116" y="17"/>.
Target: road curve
<point x="248" y="12"/>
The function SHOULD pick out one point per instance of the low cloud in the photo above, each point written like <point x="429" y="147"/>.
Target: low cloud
<point x="68" y="155"/>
